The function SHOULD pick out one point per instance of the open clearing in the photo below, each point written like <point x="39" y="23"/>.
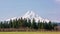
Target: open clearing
<point x="29" y="32"/>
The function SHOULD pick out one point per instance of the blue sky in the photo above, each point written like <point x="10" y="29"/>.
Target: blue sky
<point x="49" y="9"/>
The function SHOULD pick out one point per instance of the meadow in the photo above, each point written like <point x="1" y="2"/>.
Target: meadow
<point x="29" y="32"/>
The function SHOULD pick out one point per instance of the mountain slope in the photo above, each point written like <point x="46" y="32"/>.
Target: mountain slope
<point x="31" y="15"/>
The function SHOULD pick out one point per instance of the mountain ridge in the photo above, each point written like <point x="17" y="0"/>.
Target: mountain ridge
<point x="31" y="15"/>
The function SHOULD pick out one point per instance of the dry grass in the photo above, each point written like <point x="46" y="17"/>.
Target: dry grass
<point x="29" y="32"/>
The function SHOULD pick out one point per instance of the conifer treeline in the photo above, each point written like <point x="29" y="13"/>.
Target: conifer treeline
<point x="24" y="23"/>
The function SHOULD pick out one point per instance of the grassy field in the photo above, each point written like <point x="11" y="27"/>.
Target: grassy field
<point x="29" y="32"/>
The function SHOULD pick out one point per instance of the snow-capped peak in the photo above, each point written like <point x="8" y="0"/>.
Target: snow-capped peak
<point x="31" y="15"/>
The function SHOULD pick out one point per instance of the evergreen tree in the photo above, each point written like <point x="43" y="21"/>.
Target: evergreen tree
<point x="34" y="25"/>
<point x="15" y="23"/>
<point x="1" y="24"/>
<point x="39" y="24"/>
<point x="5" y="24"/>
<point x="10" y="24"/>
<point x="42" y="25"/>
<point x="25" y="24"/>
<point x="50" y="25"/>
<point x="29" y="23"/>
<point x="46" y="26"/>
<point x="19" y="23"/>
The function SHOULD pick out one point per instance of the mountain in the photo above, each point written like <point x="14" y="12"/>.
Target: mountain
<point x="11" y="18"/>
<point x="31" y="15"/>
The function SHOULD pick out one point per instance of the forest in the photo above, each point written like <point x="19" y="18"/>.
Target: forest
<point x="24" y="23"/>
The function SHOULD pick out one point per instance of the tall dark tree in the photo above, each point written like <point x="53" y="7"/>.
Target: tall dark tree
<point x="25" y="24"/>
<point x="29" y="23"/>
<point x="39" y="24"/>
<point x="50" y="25"/>
<point x="19" y="23"/>
<point x="5" y="24"/>
<point x="10" y="24"/>
<point x="46" y="26"/>
<point x="1" y="23"/>
<point x="15" y="23"/>
<point x="34" y="25"/>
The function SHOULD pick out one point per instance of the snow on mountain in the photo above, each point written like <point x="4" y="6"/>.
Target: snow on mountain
<point x="31" y="15"/>
<point x="11" y="18"/>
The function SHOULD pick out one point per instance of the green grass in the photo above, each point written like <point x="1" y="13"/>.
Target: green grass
<point x="29" y="32"/>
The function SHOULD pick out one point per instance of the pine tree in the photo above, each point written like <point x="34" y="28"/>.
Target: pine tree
<point x="34" y="25"/>
<point x="29" y="23"/>
<point x="19" y="23"/>
<point x="39" y="24"/>
<point x="10" y="24"/>
<point x="50" y="25"/>
<point x="25" y="24"/>
<point x="1" y="24"/>
<point x="5" y="24"/>
<point x="46" y="26"/>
